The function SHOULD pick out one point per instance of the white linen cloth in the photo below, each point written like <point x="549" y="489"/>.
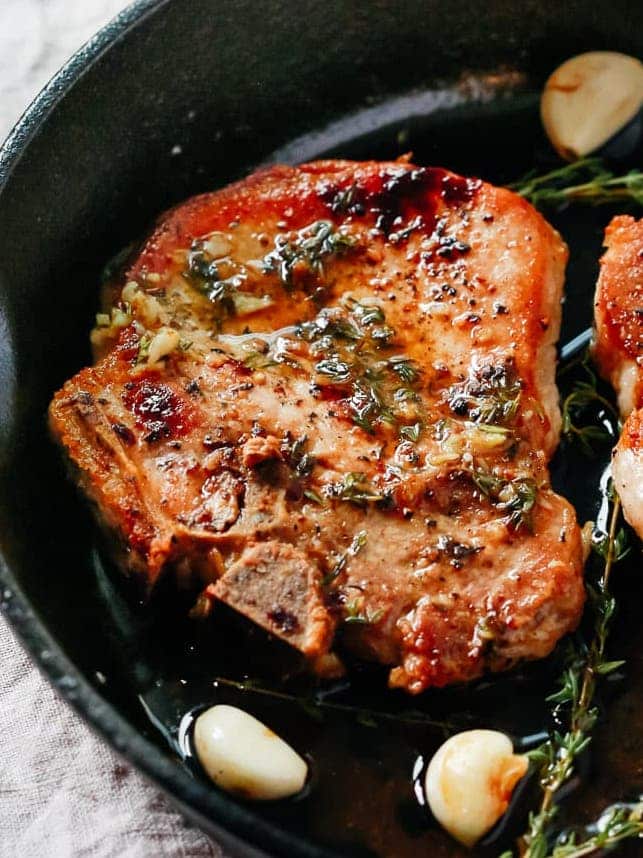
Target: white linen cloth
<point x="63" y="792"/>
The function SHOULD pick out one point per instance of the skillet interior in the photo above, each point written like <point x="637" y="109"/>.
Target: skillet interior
<point x="93" y="162"/>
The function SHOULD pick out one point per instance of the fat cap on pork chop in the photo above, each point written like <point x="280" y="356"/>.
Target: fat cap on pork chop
<point x="327" y="394"/>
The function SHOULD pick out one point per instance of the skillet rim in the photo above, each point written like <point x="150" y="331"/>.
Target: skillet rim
<point x="236" y="826"/>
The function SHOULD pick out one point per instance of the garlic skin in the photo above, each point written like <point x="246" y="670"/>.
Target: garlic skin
<point x="589" y="99"/>
<point x="470" y="780"/>
<point x="244" y="757"/>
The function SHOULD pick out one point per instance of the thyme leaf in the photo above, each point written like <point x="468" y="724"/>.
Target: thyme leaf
<point x="299" y="460"/>
<point x="258" y="359"/>
<point x="312" y="495"/>
<point x="359" y="541"/>
<point x="344" y="199"/>
<point x="335" y="369"/>
<point x="367" y="314"/>
<point x="357" y="615"/>
<point x="356" y="489"/>
<point x="143" y="348"/>
<point x="412" y="432"/>
<point x="404" y="368"/>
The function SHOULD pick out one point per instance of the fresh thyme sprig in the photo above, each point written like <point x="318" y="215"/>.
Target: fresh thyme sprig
<point x="315" y="705"/>
<point x="583" y="398"/>
<point x="517" y="497"/>
<point x="556" y="758"/>
<point x="587" y="180"/>
<point x="618" y="823"/>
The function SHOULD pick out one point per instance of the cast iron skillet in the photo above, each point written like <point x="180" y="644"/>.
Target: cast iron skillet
<point x="177" y="97"/>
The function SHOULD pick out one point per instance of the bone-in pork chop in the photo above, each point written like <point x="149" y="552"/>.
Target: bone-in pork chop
<point x="618" y="350"/>
<point x="326" y="395"/>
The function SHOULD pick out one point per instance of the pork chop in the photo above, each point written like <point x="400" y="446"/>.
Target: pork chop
<point x="326" y="394"/>
<point x="618" y="350"/>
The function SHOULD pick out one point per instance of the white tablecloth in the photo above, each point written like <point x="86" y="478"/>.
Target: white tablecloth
<point x="63" y="792"/>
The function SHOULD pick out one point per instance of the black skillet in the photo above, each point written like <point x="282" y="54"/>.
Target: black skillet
<point x="182" y="96"/>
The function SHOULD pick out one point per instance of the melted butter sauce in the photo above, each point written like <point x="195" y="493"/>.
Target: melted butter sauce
<point x="368" y="747"/>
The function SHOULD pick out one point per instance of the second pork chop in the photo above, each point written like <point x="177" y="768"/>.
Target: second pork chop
<point x="327" y="393"/>
<point x="618" y="350"/>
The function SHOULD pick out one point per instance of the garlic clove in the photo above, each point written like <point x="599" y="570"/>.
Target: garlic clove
<point x="470" y="780"/>
<point x="244" y="757"/>
<point x="589" y="100"/>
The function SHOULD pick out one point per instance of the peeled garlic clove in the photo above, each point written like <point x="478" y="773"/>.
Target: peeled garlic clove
<point x="589" y="100"/>
<point x="245" y="757"/>
<point x="470" y="780"/>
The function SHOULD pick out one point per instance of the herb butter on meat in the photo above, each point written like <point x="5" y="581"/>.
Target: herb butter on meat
<point x="348" y="439"/>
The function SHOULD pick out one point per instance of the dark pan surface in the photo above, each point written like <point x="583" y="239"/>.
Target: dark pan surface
<point x="175" y="98"/>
